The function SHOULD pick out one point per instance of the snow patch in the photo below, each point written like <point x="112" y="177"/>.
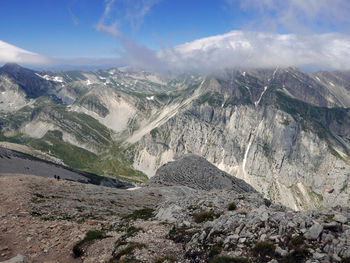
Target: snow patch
<point x="258" y="101"/>
<point x="51" y="78"/>
<point x="246" y="155"/>
<point x="134" y="188"/>
<point x="274" y="73"/>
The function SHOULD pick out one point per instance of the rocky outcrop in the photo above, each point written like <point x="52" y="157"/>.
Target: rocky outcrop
<point x="196" y="172"/>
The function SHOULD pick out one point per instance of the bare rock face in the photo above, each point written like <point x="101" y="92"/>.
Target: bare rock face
<point x="265" y="131"/>
<point x="196" y="172"/>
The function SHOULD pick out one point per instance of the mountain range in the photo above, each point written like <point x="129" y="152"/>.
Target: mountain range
<point x="284" y="131"/>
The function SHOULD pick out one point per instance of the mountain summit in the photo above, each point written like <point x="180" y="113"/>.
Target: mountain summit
<point x="27" y="80"/>
<point x="196" y="172"/>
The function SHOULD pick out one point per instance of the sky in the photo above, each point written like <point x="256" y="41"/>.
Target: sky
<point x="176" y="34"/>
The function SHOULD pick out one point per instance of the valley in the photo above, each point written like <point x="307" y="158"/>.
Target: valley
<point x="284" y="131"/>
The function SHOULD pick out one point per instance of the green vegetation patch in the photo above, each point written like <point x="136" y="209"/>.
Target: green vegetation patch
<point x="144" y="214"/>
<point x="204" y="216"/>
<point x="297" y="240"/>
<point x="128" y="250"/>
<point x="299" y="255"/>
<point x="264" y="250"/>
<point x="181" y="234"/>
<point x="228" y="259"/>
<point x="90" y="236"/>
<point x="39" y="195"/>
<point x="232" y="206"/>
<point x="131" y="231"/>
<point x="92" y="102"/>
<point x="166" y="258"/>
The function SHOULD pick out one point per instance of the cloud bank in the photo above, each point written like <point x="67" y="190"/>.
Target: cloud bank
<point x="234" y="49"/>
<point x="252" y="49"/>
<point x="10" y="53"/>
<point x="244" y="48"/>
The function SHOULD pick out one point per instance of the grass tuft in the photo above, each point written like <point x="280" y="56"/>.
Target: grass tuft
<point x="166" y="258"/>
<point x="90" y="235"/>
<point x="228" y="259"/>
<point x="205" y="216"/>
<point x="129" y="249"/>
<point x="144" y="214"/>
<point x="264" y="249"/>
<point x="232" y="206"/>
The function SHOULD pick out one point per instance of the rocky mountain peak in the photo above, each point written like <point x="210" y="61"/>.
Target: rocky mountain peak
<point x="10" y="67"/>
<point x="196" y="172"/>
<point x="28" y="80"/>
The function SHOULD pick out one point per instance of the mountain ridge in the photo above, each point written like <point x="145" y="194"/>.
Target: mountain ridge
<point x="284" y="131"/>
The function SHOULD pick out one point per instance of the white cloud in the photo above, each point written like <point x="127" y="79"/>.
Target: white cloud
<point x="75" y="20"/>
<point x="136" y="12"/>
<point x="107" y="23"/>
<point x="10" y="53"/>
<point x="256" y="49"/>
<point x="234" y="49"/>
<point x="111" y="29"/>
<point x="121" y="12"/>
<point x="243" y="48"/>
<point x="297" y="15"/>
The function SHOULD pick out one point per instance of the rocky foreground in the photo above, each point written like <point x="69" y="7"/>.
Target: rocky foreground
<point x="45" y="220"/>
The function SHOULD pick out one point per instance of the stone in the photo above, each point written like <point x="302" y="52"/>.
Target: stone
<point x="345" y="253"/>
<point x="17" y="259"/>
<point x="262" y="237"/>
<point x="332" y="226"/>
<point x="281" y="252"/>
<point x="242" y="240"/>
<point x="314" y="232"/>
<point x="318" y="255"/>
<point x="186" y="223"/>
<point x="340" y="218"/>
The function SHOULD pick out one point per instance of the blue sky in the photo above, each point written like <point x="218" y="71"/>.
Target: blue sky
<point x="66" y="28"/>
<point x="99" y="29"/>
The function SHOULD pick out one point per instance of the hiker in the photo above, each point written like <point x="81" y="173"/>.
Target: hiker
<point x="58" y="177"/>
<point x="54" y="176"/>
